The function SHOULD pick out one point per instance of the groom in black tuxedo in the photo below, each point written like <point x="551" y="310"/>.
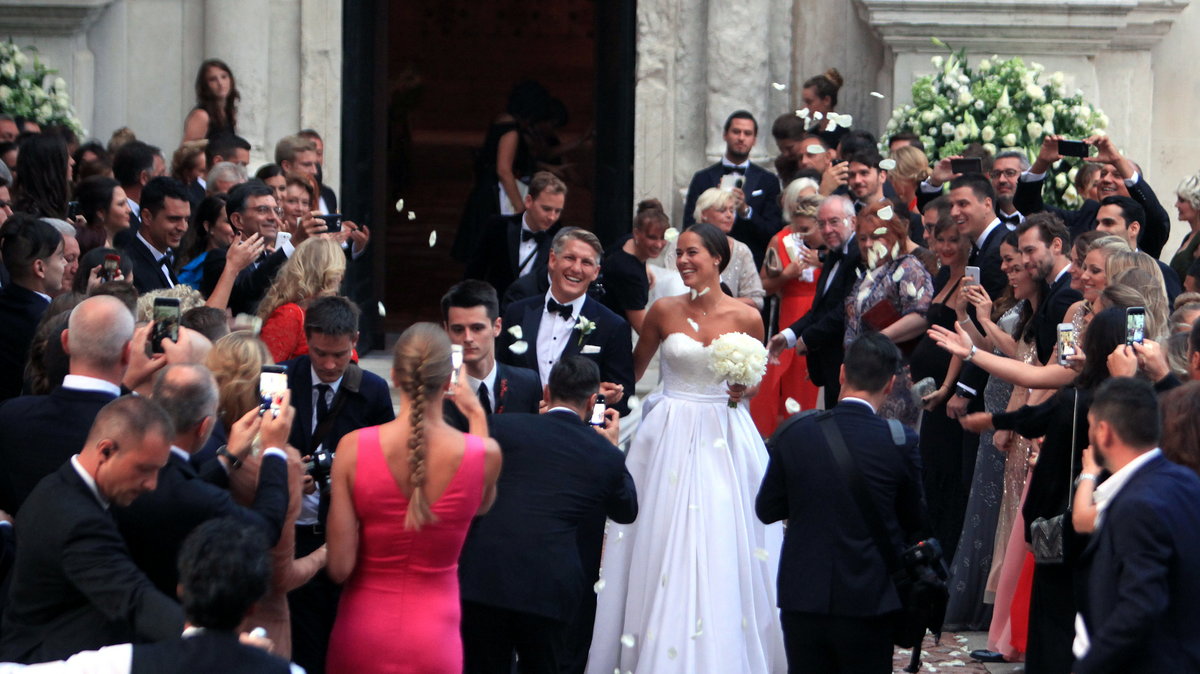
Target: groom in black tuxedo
<point x="513" y="246"/>
<point x="471" y="318"/>
<point x="523" y="583"/>
<point x="757" y="189"/>
<point x="567" y="322"/>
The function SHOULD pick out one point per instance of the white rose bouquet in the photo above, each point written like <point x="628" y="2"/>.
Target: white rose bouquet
<point x="27" y="89"/>
<point x="739" y="359"/>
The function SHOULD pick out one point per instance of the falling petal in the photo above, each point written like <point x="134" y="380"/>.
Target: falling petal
<point x="516" y="332"/>
<point x="382" y="310"/>
<point x="400" y="206"/>
<point x="803" y="112"/>
<point x="886" y="213"/>
<point x="670" y="234"/>
<point x="634" y="403"/>
<point x="909" y="288"/>
<point x="694" y="325"/>
<point x="898" y="274"/>
<point x="816" y="148"/>
<point x="880" y="231"/>
<point x="693" y="293"/>
<point x="876" y="94"/>
<point x="672" y="653"/>
<point x="762" y="554"/>
<point x="888" y="164"/>
<point x="846" y="120"/>
<point x="921" y="292"/>
<point x="674" y="478"/>
<point x="412" y="216"/>
<point x="720" y="443"/>
<point x="628" y="641"/>
<point x="791" y="405"/>
<point x="778" y="86"/>
<point x="433" y="238"/>
<point x="858" y="273"/>
<point x="598" y="586"/>
<point x="896" y="250"/>
<point x="703" y="292"/>
<point x="518" y="347"/>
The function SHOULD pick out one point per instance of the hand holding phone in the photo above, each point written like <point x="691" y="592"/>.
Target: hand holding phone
<point x="272" y="383"/>
<point x="1073" y="148"/>
<point x="966" y="165"/>
<point x="971" y="276"/>
<point x="597" y="418"/>
<point x="333" y="222"/>
<point x="1066" y="343"/>
<point x="166" y="316"/>
<point x="1135" y="325"/>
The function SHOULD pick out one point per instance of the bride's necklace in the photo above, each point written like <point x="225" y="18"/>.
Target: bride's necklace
<point x="695" y="302"/>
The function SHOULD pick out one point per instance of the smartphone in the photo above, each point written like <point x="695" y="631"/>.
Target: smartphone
<point x="333" y="222"/>
<point x="112" y="265"/>
<point x="971" y="275"/>
<point x="966" y="165"/>
<point x="835" y="162"/>
<point x="1135" y="325"/>
<point x="166" y="322"/>
<point x="1072" y="148"/>
<point x="272" y="382"/>
<point x="1066" y="343"/>
<point x="598" y="411"/>
<point x="73" y="210"/>
<point x="456" y="361"/>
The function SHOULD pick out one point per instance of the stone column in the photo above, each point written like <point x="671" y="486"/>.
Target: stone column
<point x="738" y="73"/>
<point x="237" y="32"/>
<point x="321" y="78"/>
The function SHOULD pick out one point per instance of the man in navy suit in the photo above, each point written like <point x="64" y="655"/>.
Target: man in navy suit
<point x="166" y="211"/>
<point x="523" y="582"/>
<point x="566" y="321"/>
<point x="1123" y="217"/>
<point x="1141" y="610"/>
<point x="326" y="387"/>
<point x="33" y="254"/>
<point x="756" y="189"/>
<point x="97" y="341"/>
<point x="836" y="598"/>
<point x="818" y="334"/>
<point x="514" y="246"/>
<point x="471" y="318"/>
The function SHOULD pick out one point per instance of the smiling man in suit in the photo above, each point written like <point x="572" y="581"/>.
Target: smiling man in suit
<point x="756" y="189"/>
<point x="165" y="215"/>
<point x="819" y="333"/>
<point x="567" y="322"/>
<point x="514" y="246"/>
<point x="1044" y="244"/>
<point x="471" y="318"/>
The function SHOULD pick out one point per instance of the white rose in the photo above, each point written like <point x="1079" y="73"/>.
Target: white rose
<point x="1048" y="112"/>
<point x="1071" y="194"/>
<point x="1102" y="121"/>
<point x="985" y="65"/>
<point x="5" y="92"/>
<point x="932" y="132"/>
<point x="947" y="129"/>
<point x="1058" y="79"/>
<point x="1060" y="181"/>
<point x="928" y="116"/>
<point x="1035" y="130"/>
<point x="45" y="111"/>
<point x="1010" y="139"/>
<point x="19" y="57"/>
<point x="1037" y="67"/>
<point x="59" y="84"/>
<point x="964" y="97"/>
<point x="987" y="134"/>
<point x="1003" y="103"/>
<point x="978" y="105"/>
<point x="8" y="70"/>
<point x="990" y="148"/>
<point x="936" y="61"/>
<point x="1072" y="173"/>
<point x="1035" y="92"/>
<point x="960" y="132"/>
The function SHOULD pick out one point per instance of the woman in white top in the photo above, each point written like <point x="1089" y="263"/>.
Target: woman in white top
<point x="716" y="207"/>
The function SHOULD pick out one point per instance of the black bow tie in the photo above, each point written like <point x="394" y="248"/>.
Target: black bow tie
<point x="564" y="310"/>
<point x="833" y="255"/>
<point x="1014" y="219"/>
<point x="727" y="169"/>
<point x="537" y="236"/>
<point x="168" y="259"/>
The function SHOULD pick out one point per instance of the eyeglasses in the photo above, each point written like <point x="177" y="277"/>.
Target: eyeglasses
<point x="831" y="222"/>
<point x="1006" y="173"/>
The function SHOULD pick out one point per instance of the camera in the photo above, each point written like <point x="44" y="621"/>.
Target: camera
<point x="924" y="560"/>
<point x="319" y="467"/>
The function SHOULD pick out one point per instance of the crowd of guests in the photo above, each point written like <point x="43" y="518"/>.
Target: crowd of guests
<point x="1008" y="377"/>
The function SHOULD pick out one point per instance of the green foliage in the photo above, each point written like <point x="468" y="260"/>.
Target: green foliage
<point x="24" y="90"/>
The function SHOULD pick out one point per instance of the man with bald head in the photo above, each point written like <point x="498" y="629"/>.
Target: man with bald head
<point x="97" y="341"/>
<point x="74" y="587"/>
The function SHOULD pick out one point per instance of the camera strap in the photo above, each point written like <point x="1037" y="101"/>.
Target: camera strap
<point x="350" y="382"/>
<point x="858" y="489"/>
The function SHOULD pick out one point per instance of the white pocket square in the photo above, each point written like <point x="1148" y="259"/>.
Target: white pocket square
<point x="756" y="193"/>
<point x="589" y="349"/>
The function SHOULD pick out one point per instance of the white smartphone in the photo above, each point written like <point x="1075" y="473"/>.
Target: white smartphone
<point x="971" y="275"/>
<point x="1066" y="343"/>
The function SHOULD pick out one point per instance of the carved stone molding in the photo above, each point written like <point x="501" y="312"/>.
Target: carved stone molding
<point x="58" y="17"/>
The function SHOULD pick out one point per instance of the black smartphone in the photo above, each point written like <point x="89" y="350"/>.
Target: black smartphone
<point x="837" y="161"/>
<point x="598" y="411"/>
<point x="966" y="165"/>
<point x="1072" y="148"/>
<point x="166" y="322"/>
<point x="333" y="222"/>
<point x="112" y="265"/>
<point x="272" y="382"/>
<point x="73" y="210"/>
<point x="1135" y="325"/>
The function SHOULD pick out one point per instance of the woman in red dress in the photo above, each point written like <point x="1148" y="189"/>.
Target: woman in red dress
<point x="403" y="497"/>
<point x="792" y="270"/>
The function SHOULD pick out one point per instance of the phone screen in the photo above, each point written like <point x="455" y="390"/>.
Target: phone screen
<point x="1066" y="343"/>
<point x="166" y="322"/>
<point x="111" y="264"/>
<point x="272" y="382"/>
<point x="1135" y="325"/>
<point x="598" y="412"/>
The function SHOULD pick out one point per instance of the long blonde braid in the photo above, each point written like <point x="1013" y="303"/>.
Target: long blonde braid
<point x="422" y="365"/>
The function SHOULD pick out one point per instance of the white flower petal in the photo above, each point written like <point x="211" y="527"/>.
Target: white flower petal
<point x="803" y="112"/>
<point x="720" y="443"/>
<point x="433" y="238"/>
<point x="921" y="292"/>
<point x="762" y="554"/>
<point x="817" y="115"/>
<point x="888" y="164"/>
<point x="909" y="288"/>
<point x="672" y="653"/>
<point x="815" y="148"/>
<point x="858" y="272"/>
<point x="598" y="586"/>
<point x="518" y="347"/>
<point x="634" y="403"/>
<point x="898" y="274"/>
<point x="779" y="86"/>
<point x="876" y="94"/>
<point x="703" y="292"/>
<point x="628" y="641"/>
<point x="382" y="310"/>
<point x="412" y="216"/>
<point x="896" y="251"/>
<point x="694" y="325"/>
<point x="791" y="406"/>
<point x="886" y="213"/>
<point x="400" y="206"/>
<point x="670" y="234"/>
<point x="880" y="231"/>
<point x="846" y="120"/>
<point x="516" y="332"/>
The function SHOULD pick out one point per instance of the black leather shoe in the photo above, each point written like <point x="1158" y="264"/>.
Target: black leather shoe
<point x="984" y="655"/>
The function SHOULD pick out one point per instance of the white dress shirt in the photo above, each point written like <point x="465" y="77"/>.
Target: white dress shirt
<point x="157" y="255"/>
<point x="311" y="502"/>
<point x="78" y="382"/>
<point x="490" y="381"/>
<point x="554" y="332"/>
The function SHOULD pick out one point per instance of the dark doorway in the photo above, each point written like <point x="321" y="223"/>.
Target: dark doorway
<point x="424" y="79"/>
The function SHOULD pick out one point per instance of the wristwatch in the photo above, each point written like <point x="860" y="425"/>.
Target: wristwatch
<point x="234" y="462"/>
<point x="970" y="354"/>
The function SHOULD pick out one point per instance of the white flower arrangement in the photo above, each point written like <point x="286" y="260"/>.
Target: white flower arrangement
<point x="585" y="328"/>
<point x="24" y="92"/>
<point x="1002" y="104"/>
<point x="739" y="359"/>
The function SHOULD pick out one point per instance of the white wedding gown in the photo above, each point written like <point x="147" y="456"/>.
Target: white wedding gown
<point x="692" y="581"/>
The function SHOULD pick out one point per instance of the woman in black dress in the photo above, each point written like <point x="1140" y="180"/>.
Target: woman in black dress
<point x="625" y="279"/>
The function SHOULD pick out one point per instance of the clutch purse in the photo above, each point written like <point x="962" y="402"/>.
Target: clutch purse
<point x="772" y="263"/>
<point x="882" y="315"/>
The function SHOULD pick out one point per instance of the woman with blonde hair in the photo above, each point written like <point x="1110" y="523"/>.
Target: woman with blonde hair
<point x="1187" y="207"/>
<point x="716" y="207"/>
<point x="1140" y="272"/>
<point x="314" y="270"/>
<point x="403" y="496"/>
<point x="912" y="167"/>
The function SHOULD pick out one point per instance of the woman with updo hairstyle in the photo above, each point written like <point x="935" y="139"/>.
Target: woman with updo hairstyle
<point x="820" y="94"/>
<point x="188" y="163"/>
<point x="626" y="278"/>
<point x="216" y="102"/>
<point x="402" y="498"/>
<point x="105" y="211"/>
<point x="716" y="207"/>
<point x="791" y="270"/>
<point x="315" y="270"/>
<point x="912" y="167"/>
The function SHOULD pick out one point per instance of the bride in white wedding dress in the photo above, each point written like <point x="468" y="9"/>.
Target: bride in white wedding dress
<point x="690" y="586"/>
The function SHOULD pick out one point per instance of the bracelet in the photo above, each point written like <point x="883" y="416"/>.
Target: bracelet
<point x="965" y="321"/>
<point x="234" y="462"/>
<point x="1087" y="476"/>
<point x="970" y="354"/>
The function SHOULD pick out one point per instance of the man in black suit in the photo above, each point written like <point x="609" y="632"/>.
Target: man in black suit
<point x="226" y="147"/>
<point x="755" y="188"/>
<point x="1123" y="217"/>
<point x="1141" y="608"/>
<point x="166" y="212"/>
<point x="33" y="254"/>
<point x="134" y="165"/>
<point x="332" y="397"/>
<point x="74" y="585"/>
<point x="836" y="597"/>
<point x="514" y="246"/>
<point x="155" y="524"/>
<point x="818" y="333"/>
<point x="566" y="321"/>
<point x="97" y="341"/>
<point x="1118" y="177"/>
<point x="471" y="318"/>
<point x="1045" y="245"/>
<point x="1005" y="170"/>
<point x="521" y="577"/>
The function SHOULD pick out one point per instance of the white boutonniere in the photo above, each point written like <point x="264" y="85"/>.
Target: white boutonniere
<point x="585" y="328"/>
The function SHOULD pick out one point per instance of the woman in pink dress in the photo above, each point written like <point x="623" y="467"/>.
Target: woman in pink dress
<point x="403" y="496"/>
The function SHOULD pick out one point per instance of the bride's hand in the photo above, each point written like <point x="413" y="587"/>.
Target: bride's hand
<point x="736" y="393"/>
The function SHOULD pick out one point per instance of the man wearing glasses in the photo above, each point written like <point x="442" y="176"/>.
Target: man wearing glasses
<point x="1004" y="174"/>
